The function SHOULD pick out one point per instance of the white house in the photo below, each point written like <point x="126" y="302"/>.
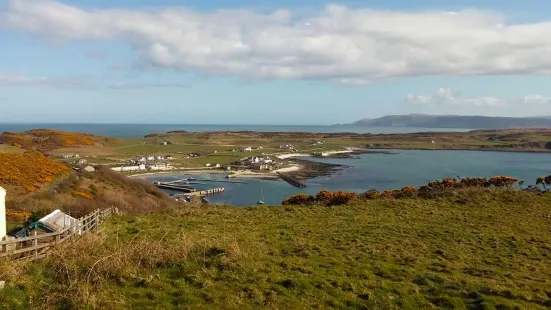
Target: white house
<point x="160" y="167"/>
<point x="89" y="169"/>
<point x="218" y="166"/>
<point x="77" y="156"/>
<point x="207" y="165"/>
<point x="129" y="168"/>
<point x="286" y="146"/>
<point x="142" y="159"/>
<point x="2" y="213"/>
<point x="151" y="158"/>
<point x="248" y="149"/>
<point x="160" y="157"/>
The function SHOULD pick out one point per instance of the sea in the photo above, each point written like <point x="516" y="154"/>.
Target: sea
<point x="140" y="130"/>
<point x="379" y="171"/>
<point x="369" y="171"/>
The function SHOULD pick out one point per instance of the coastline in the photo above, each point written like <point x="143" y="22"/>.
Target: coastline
<point x="303" y="168"/>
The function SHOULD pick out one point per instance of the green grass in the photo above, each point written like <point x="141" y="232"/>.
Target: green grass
<point x="5" y="148"/>
<point x="477" y="249"/>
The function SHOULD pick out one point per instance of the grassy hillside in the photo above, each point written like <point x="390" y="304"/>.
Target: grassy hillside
<point x="81" y="193"/>
<point x="29" y="170"/>
<point x="475" y="248"/>
<point x="44" y="140"/>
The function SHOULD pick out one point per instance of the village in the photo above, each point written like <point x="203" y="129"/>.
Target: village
<point x="167" y="156"/>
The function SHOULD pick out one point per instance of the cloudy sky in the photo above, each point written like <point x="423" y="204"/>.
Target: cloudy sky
<point x="271" y="62"/>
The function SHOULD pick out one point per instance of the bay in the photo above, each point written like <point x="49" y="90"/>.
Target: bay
<point x="381" y="172"/>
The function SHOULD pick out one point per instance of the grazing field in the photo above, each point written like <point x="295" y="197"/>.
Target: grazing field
<point x="474" y="249"/>
<point x="226" y="147"/>
<point x="5" y="148"/>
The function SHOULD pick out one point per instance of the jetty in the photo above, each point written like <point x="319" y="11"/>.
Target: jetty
<point x="188" y="189"/>
<point x="175" y="186"/>
<point x="222" y="181"/>
<point x="293" y="181"/>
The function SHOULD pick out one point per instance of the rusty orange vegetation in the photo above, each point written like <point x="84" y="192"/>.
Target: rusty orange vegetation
<point x="29" y="170"/>
<point x="83" y="195"/>
<point x="48" y="139"/>
<point x="18" y="214"/>
<point x="426" y="191"/>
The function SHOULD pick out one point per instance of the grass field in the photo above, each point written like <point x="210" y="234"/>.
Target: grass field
<point x="476" y="249"/>
<point x="5" y="148"/>
<point x="214" y="146"/>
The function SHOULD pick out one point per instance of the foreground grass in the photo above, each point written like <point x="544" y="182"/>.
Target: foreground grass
<point x="482" y="249"/>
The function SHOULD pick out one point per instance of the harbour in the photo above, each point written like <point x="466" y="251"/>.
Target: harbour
<point x="175" y="186"/>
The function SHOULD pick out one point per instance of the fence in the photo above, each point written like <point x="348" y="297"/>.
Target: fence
<point x="36" y="246"/>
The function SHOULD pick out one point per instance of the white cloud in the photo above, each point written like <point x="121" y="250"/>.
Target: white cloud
<point x="446" y="97"/>
<point x="125" y="85"/>
<point x="536" y="99"/>
<point x="8" y="79"/>
<point x="337" y="43"/>
<point x="78" y="82"/>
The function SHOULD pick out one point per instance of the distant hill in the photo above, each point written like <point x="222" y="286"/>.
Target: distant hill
<point x="49" y="139"/>
<point x="456" y="121"/>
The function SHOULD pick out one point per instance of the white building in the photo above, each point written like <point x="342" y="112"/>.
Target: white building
<point x="218" y="166"/>
<point x="248" y="149"/>
<point x="2" y="213"/>
<point x="160" y="167"/>
<point x="89" y="169"/>
<point x="129" y="168"/>
<point x="151" y="158"/>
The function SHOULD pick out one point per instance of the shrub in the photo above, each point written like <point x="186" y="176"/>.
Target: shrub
<point x="341" y="198"/>
<point x="83" y="195"/>
<point x="29" y="170"/>
<point x="299" y="199"/>
<point x="48" y="139"/>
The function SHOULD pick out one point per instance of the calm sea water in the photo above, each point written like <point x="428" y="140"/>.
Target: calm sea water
<point x="140" y="130"/>
<point x="385" y="171"/>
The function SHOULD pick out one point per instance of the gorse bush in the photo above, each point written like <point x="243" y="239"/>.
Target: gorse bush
<point x="431" y="190"/>
<point x="323" y="197"/>
<point x="48" y="139"/>
<point x="29" y="170"/>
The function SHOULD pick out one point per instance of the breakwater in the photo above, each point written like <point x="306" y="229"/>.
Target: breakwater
<point x="289" y="179"/>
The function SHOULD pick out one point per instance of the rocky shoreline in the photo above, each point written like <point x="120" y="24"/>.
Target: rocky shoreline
<point x="311" y="169"/>
<point x="356" y="152"/>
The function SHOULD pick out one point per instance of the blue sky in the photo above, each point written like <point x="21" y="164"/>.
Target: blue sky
<point x="271" y="62"/>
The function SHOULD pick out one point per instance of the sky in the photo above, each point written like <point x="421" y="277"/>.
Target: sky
<point x="271" y="62"/>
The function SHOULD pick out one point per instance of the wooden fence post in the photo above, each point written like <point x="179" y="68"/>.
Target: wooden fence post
<point x="35" y="243"/>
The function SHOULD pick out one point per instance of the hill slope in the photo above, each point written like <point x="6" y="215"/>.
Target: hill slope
<point x="483" y="249"/>
<point x="455" y="121"/>
<point x="47" y="139"/>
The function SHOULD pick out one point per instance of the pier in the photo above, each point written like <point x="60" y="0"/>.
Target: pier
<point x="182" y="188"/>
<point x="187" y="189"/>
<point x="224" y="181"/>
<point x="208" y="192"/>
<point x="291" y="180"/>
